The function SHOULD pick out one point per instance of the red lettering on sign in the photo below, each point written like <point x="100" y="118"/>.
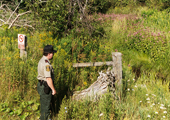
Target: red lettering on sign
<point x="21" y="38"/>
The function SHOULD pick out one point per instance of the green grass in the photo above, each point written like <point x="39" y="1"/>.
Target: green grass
<point x="145" y="70"/>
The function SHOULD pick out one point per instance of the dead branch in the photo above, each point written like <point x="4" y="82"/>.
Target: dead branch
<point x="17" y="18"/>
<point x="82" y="7"/>
<point x="104" y="83"/>
<point x="11" y="17"/>
<point x="40" y="1"/>
<point x="13" y="12"/>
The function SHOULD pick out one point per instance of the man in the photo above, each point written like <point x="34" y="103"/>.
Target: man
<point x="45" y="78"/>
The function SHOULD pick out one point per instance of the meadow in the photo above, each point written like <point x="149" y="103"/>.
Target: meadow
<point x="142" y="36"/>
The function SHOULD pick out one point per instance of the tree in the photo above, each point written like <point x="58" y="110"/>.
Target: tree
<point x="11" y="15"/>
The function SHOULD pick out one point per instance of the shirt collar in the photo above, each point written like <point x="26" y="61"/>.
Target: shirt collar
<point x="45" y="58"/>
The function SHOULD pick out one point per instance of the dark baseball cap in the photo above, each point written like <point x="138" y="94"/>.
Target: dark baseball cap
<point x="49" y="49"/>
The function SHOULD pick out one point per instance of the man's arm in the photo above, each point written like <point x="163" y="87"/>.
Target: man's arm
<point x="50" y="84"/>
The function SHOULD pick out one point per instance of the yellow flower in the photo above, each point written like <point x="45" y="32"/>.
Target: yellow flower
<point x="50" y="33"/>
<point x="65" y="44"/>
<point x="9" y="58"/>
<point x="59" y="47"/>
<point x="85" y="83"/>
<point x="3" y="47"/>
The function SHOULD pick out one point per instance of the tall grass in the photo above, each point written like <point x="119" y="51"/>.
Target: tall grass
<point x="144" y="45"/>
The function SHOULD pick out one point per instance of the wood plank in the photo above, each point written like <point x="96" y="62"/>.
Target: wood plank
<point x="108" y="63"/>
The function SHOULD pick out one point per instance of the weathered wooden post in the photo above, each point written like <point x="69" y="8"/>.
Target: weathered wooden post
<point x="117" y="69"/>
<point x="112" y="78"/>
<point x="22" y="42"/>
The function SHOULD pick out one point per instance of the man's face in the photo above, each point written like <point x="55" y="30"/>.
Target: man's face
<point x="51" y="55"/>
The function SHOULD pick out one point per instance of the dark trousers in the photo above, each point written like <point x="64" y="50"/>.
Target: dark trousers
<point x="45" y="100"/>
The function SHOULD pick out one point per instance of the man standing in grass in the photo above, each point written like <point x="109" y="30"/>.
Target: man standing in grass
<point x="45" y="78"/>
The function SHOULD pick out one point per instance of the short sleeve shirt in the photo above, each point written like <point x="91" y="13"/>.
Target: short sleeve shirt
<point x="45" y="69"/>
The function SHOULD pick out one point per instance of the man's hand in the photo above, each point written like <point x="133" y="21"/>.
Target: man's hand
<point x="54" y="92"/>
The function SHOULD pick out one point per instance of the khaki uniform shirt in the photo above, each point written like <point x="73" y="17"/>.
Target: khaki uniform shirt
<point x="45" y="69"/>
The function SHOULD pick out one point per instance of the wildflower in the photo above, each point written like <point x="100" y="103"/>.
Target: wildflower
<point x="156" y="112"/>
<point x="146" y="94"/>
<point x="148" y="98"/>
<point x="128" y="89"/>
<point x="66" y="111"/>
<point x="153" y="104"/>
<point x="153" y="94"/>
<point x="128" y="80"/>
<point x="162" y="107"/>
<point x="132" y="89"/>
<point x="163" y="116"/>
<point x="133" y="79"/>
<point x="140" y="101"/>
<point x="162" y="104"/>
<point x="65" y="44"/>
<point x="149" y="116"/>
<point x="135" y="86"/>
<point x="165" y="112"/>
<point x="100" y="114"/>
<point x="148" y="102"/>
<point x="65" y="108"/>
<point x="85" y="83"/>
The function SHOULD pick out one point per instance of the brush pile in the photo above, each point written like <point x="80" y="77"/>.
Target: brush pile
<point x="104" y="83"/>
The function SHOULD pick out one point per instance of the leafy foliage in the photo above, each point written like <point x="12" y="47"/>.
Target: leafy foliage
<point x="145" y="52"/>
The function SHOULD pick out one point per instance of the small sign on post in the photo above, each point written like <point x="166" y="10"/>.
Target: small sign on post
<point x="22" y="41"/>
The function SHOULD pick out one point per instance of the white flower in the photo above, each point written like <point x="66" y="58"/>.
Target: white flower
<point x="66" y="111"/>
<point x="101" y="114"/>
<point x="65" y="108"/>
<point x="162" y="107"/>
<point x="128" y="89"/>
<point x="132" y="89"/>
<point x="148" y="98"/>
<point x="140" y="101"/>
<point x="165" y="112"/>
<point x="148" y="102"/>
<point x="162" y="104"/>
<point x="136" y="86"/>
<point x="149" y="116"/>
<point x="163" y="116"/>
<point x="133" y="79"/>
<point x="153" y="104"/>
<point x="153" y="94"/>
<point x="146" y="94"/>
<point x="156" y="112"/>
<point x="128" y="80"/>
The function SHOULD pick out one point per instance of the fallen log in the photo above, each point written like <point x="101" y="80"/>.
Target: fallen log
<point x="104" y="83"/>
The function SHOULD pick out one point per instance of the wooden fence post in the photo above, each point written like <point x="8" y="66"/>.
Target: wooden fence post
<point x="117" y="69"/>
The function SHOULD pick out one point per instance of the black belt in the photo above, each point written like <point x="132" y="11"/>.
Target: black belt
<point x="42" y="82"/>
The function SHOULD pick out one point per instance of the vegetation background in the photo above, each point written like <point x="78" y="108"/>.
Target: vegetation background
<point x="86" y="31"/>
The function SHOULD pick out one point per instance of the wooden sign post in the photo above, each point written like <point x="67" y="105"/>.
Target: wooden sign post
<point x="22" y="41"/>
